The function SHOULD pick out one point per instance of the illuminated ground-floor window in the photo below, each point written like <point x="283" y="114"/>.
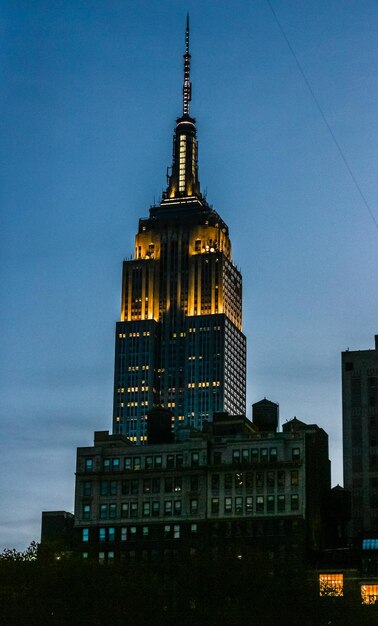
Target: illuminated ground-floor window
<point x="331" y="584"/>
<point x="369" y="594"/>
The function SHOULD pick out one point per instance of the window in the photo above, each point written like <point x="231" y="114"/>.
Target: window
<point x="87" y="488"/>
<point x="215" y="482"/>
<point x="110" y="556"/>
<point x="369" y="594"/>
<point x="254" y="455"/>
<point x="133" y="532"/>
<point x="259" y="480"/>
<point x="370" y="544"/>
<point x="239" y="480"/>
<point x="136" y="463"/>
<point x="86" y="511"/>
<point x="147" y="485"/>
<point x="128" y="463"/>
<point x="236" y="457"/>
<point x="194" y="483"/>
<point x="102" y="534"/>
<point x="270" y="480"/>
<point x="270" y="504"/>
<point x="149" y="462"/>
<point x="228" y="505"/>
<point x="168" y="507"/>
<point x="84" y="555"/>
<point x="156" y="485"/>
<point x="296" y="454"/>
<point x="195" y="459"/>
<point x="177" y="484"/>
<point x="176" y="532"/>
<point x="123" y="534"/>
<point x="239" y="505"/>
<point x="294" y="478"/>
<point x="281" y="478"/>
<point x="145" y="531"/>
<point x="112" y="511"/>
<point x="331" y="584"/>
<point x="88" y="464"/>
<point x="111" y="534"/>
<point x="215" y="506"/>
<point x="264" y="454"/>
<point x="273" y="454"/>
<point x="249" y="504"/>
<point x="101" y="557"/>
<point x="228" y="481"/>
<point x="193" y="506"/>
<point x="179" y="460"/>
<point x="167" y="532"/>
<point x="146" y="509"/>
<point x="85" y="534"/>
<point x="294" y="502"/>
<point x="155" y="508"/>
<point x="134" y="509"/>
<point x="193" y="529"/>
<point x="158" y="461"/>
<point x="177" y="507"/>
<point x="168" y="485"/>
<point x="107" y="465"/>
<point x="249" y="480"/>
<point x="125" y="509"/>
<point x="260" y="504"/>
<point x="170" y="461"/>
<point x="125" y="487"/>
<point x="245" y="456"/>
<point x="115" y="465"/>
<point x="134" y="486"/>
<point x="281" y="503"/>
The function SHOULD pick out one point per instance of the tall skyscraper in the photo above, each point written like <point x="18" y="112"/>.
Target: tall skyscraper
<point x="179" y="343"/>
<point x="360" y="435"/>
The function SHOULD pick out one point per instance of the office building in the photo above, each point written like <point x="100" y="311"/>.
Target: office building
<point x="231" y="489"/>
<point x="360" y="435"/>
<point x="179" y="343"/>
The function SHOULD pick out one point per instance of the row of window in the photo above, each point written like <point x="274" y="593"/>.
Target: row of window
<point x="146" y="462"/>
<point x="249" y="504"/>
<point x="148" y="509"/>
<point x="174" y="484"/>
<point x="239" y="456"/>
<point x="239" y="505"/>
<point x="130" y="533"/>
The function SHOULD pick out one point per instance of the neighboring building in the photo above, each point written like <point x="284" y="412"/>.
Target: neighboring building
<point x="230" y="489"/>
<point x="360" y="435"/>
<point x="57" y="528"/>
<point x="179" y="343"/>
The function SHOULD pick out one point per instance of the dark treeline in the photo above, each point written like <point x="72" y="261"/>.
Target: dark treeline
<point x="44" y="590"/>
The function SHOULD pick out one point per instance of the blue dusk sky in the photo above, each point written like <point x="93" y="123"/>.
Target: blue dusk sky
<point x="89" y="96"/>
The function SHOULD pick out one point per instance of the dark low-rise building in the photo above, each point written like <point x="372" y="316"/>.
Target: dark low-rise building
<point x="231" y="489"/>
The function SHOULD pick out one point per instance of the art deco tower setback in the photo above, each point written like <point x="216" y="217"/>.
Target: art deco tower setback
<point x="179" y="343"/>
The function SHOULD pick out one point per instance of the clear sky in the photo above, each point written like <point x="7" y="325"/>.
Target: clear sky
<point x="89" y="95"/>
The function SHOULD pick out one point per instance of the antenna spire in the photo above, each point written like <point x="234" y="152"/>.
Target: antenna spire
<point x="187" y="87"/>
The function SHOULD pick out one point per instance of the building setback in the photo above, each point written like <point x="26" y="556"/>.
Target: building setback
<point x="360" y="435"/>
<point x="231" y="489"/>
<point x="179" y="343"/>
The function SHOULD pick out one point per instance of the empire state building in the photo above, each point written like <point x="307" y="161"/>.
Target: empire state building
<point x="179" y="344"/>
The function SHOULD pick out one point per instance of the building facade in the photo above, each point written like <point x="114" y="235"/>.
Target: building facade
<point x="179" y="343"/>
<point x="360" y="435"/>
<point x="231" y="489"/>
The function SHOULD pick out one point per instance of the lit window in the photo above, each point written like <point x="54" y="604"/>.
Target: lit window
<point x="85" y="534"/>
<point x="89" y="465"/>
<point x="369" y="594"/>
<point x="102" y="534"/>
<point x="123" y="534"/>
<point x="176" y="532"/>
<point x="331" y="584"/>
